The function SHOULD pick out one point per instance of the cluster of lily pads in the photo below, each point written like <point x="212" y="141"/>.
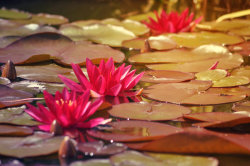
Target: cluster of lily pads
<point x="194" y="98"/>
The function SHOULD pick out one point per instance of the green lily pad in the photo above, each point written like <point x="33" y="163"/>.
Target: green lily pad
<point x="16" y="116"/>
<point x="93" y="162"/>
<point x="211" y="75"/>
<point x="39" y="144"/>
<point x="13" y="14"/>
<point x="231" y="81"/>
<point x="148" y="111"/>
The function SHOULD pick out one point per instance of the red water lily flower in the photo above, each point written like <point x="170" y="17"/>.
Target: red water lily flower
<point x="105" y="79"/>
<point x="172" y="22"/>
<point x="67" y="108"/>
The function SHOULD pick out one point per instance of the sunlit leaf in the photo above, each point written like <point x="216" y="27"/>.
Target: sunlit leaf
<point x="211" y="75"/>
<point x="39" y="144"/>
<point x="165" y="76"/>
<point x="198" y="141"/>
<point x="231" y="81"/>
<point x="13" y="14"/>
<point x="126" y="131"/>
<point x="4" y="81"/>
<point x="93" y="162"/>
<point x="148" y="111"/>
<point x="242" y="71"/>
<point x="99" y="149"/>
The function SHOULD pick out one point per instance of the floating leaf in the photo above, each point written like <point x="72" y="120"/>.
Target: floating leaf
<point x="204" y="52"/>
<point x="184" y="160"/>
<point x="39" y="144"/>
<point x="134" y="158"/>
<point x="79" y="51"/>
<point x="242" y="106"/>
<point x="231" y="81"/>
<point x="240" y="90"/>
<point x="11" y="97"/>
<point x="35" y="87"/>
<point x="4" y="81"/>
<point x="107" y="34"/>
<point x="148" y="111"/>
<point x="226" y="25"/>
<point x="228" y="62"/>
<point x="49" y="19"/>
<point x="165" y="76"/>
<point x="197" y="141"/>
<point x="242" y="71"/>
<point x="13" y="14"/>
<point x="99" y="149"/>
<point x="192" y="92"/>
<point x="7" y="130"/>
<point x="16" y="116"/>
<point x="44" y="73"/>
<point x="218" y="119"/>
<point x="196" y="39"/>
<point x="242" y="48"/>
<point x="93" y="162"/>
<point x="211" y="75"/>
<point x="126" y="131"/>
<point x="6" y="40"/>
<point x="74" y="32"/>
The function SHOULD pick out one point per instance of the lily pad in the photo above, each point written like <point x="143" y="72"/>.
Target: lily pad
<point x="198" y="141"/>
<point x="211" y="75"/>
<point x="7" y="130"/>
<point x="204" y="52"/>
<point x="39" y="144"/>
<point x="6" y="40"/>
<point x="242" y="106"/>
<point x="231" y="81"/>
<point x="132" y="157"/>
<point x="79" y="51"/>
<point x="227" y="62"/>
<point x="166" y="76"/>
<point x="98" y="148"/>
<point x="11" y="97"/>
<point x="185" y="160"/>
<point x="13" y="14"/>
<point x="225" y="25"/>
<point x="4" y="81"/>
<point x="93" y="162"/>
<point x="148" y="111"/>
<point x="16" y="116"/>
<point x="242" y="71"/>
<point x="192" y="92"/>
<point x="218" y="119"/>
<point x="107" y="34"/>
<point x="242" y="48"/>
<point x="44" y="73"/>
<point x="127" y="131"/>
<point x="49" y="19"/>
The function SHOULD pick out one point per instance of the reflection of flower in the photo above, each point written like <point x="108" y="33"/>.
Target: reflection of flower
<point x="104" y="80"/>
<point x="172" y="22"/>
<point x="68" y="109"/>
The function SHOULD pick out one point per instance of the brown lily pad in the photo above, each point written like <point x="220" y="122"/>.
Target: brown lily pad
<point x="127" y="131"/>
<point x="11" y="97"/>
<point x="227" y="62"/>
<point x="7" y="130"/>
<point x="192" y="92"/>
<point x="242" y="106"/>
<point x="197" y="141"/>
<point x="218" y="119"/>
<point x="39" y="144"/>
<point x="242" y="48"/>
<point x="148" y="111"/>
<point x="204" y="52"/>
<point x="99" y="149"/>
<point x="166" y="76"/>
<point x="44" y="73"/>
<point x="79" y="51"/>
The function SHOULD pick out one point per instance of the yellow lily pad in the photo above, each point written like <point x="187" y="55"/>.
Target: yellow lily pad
<point x="204" y="52"/>
<point x="229" y="61"/>
<point x="245" y="31"/>
<point x="212" y="75"/>
<point x="231" y="81"/>
<point x="224" y="25"/>
<point x="13" y="14"/>
<point x="141" y="17"/>
<point x="243" y="71"/>
<point x="107" y="34"/>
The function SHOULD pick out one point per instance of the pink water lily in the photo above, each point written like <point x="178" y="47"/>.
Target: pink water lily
<point x="105" y="79"/>
<point x="67" y="108"/>
<point x="172" y="22"/>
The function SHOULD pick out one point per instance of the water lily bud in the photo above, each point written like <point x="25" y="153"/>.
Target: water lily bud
<point x="56" y="128"/>
<point x="67" y="148"/>
<point x="147" y="47"/>
<point x="9" y="71"/>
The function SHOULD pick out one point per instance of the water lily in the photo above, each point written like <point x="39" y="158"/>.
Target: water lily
<point x="172" y="22"/>
<point x="67" y="108"/>
<point x="104" y="80"/>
